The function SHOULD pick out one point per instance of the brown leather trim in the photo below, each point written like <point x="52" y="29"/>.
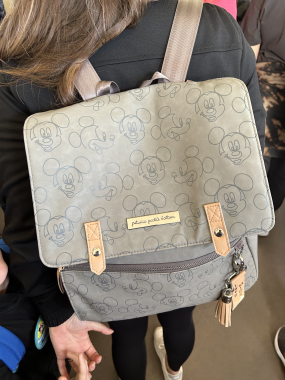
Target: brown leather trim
<point x="94" y="241"/>
<point x="216" y="220"/>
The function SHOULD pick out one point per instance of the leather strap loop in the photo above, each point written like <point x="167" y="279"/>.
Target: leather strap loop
<point x="90" y="86"/>
<point x="156" y="76"/>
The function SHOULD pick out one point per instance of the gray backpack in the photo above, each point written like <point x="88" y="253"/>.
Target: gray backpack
<point x="151" y="199"/>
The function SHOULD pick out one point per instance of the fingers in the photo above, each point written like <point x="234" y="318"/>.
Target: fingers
<point x="83" y="373"/>
<point x="75" y="363"/>
<point x="96" y="326"/>
<point x="93" y="356"/>
<point x="62" y="368"/>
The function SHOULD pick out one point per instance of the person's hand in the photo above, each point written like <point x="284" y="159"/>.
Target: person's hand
<point x="83" y="373"/>
<point x="71" y="338"/>
<point x="4" y="279"/>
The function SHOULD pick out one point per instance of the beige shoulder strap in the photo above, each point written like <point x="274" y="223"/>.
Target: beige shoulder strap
<point x="182" y="39"/>
<point x="178" y="53"/>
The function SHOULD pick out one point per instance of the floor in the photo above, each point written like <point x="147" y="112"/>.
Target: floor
<point x="243" y="351"/>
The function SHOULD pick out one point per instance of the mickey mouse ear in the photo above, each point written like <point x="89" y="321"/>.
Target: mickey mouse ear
<point x="61" y="120"/>
<point x="216" y="135"/>
<point x="163" y="154"/>
<point x="144" y="115"/>
<point x="109" y="301"/>
<point x="130" y="202"/>
<point x="181" y="199"/>
<point x="42" y="217"/>
<point x="51" y="166"/>
<point x="40" y="195"/>
<point x="86" y="121"/>
<point x="114" y="98"/>
<point x="191" y="151"/>
<point x="184" y="293"/>
<point x="237" y="229"/>
<point x="31" y="122"/>
<point x="223" y="89"/>
<point x="247" y="128"/>
<point x="239" y="105"/>
<point x="158" y="199"/>
<point x="193" y="95"/>
<point x="74" y="214"/>
<point x="131" y="302"/>
<point x="64" y="258"/>
<point x="136" y="157"/>
<point x="112" y="167"/>
<point x="151" y="243"/>
<point x="98" y="213"/>
<point x="158" y="297"/>
<point x="117" y="115"/>
<point x="212" y="186"/>
<point x="179" y="240"/>
<point x="164" y="112"/>
<point x="82" y="164"/>
<point x="243" y="181"/>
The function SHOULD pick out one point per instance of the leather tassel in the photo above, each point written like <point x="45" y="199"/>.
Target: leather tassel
<point x="224" y="308"/>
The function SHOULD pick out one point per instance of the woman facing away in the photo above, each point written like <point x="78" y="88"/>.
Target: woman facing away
<point x="42" y="47"/>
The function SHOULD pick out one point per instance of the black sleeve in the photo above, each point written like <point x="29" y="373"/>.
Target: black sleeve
<point x="36" y="281"/>
<point x="251" y="25"/>
<point x="249" y="76"/>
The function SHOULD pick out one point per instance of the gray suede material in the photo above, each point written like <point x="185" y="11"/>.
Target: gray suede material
<point x="167" y="147"/>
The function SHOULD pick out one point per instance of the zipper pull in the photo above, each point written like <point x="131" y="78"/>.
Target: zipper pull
<point x="233" y="293"/>
<point x="59" y="280"/>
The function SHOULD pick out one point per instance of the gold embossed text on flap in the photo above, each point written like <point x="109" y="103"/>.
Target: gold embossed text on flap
<point x="153" y="220"/>
<point x="95" y="247"/>
<point x="218" y="228"/>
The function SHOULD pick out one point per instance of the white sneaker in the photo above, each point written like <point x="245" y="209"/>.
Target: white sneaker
<point x="161" y="352"/>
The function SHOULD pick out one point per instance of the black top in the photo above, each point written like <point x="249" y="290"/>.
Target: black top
<point x="264" y="23"/>
<point x="132" y="57"/>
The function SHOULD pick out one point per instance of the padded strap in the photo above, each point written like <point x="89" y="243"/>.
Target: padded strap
<point x="86" y="81"/>
<point x="177" y="57"/>
<point x="182" y="39"/>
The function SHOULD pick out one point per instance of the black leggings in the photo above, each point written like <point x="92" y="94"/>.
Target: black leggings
<point x="128" y="342"/>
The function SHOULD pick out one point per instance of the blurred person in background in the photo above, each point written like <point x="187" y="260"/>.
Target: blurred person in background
<point x="228" y="5"/>
<point x="264" y="28"/>
<point x="242" y="7"/>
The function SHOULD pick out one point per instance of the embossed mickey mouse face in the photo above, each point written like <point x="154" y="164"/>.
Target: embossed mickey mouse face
<point x="59" y="230"/>
<point x="232" y="199"/>
<point x="131" y="126"/>
<point x="211" y="106"/>
<point x="47" y="136"/>
<point x="133" y="129"/>
<point x="236" y="148"/>
<point x="144" y="208"/>
<point x="69" y="181"/>
<point x="153" y="170"/>
<point x="102" y="308"/>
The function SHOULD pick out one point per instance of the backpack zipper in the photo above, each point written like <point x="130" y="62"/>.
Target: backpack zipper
<point x="149" y="268"/>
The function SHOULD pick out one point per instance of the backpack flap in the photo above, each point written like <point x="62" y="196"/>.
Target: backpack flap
<point x="168" y="148"/>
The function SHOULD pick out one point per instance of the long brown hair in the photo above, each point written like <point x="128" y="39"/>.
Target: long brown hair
<point x="50" y="39"/>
